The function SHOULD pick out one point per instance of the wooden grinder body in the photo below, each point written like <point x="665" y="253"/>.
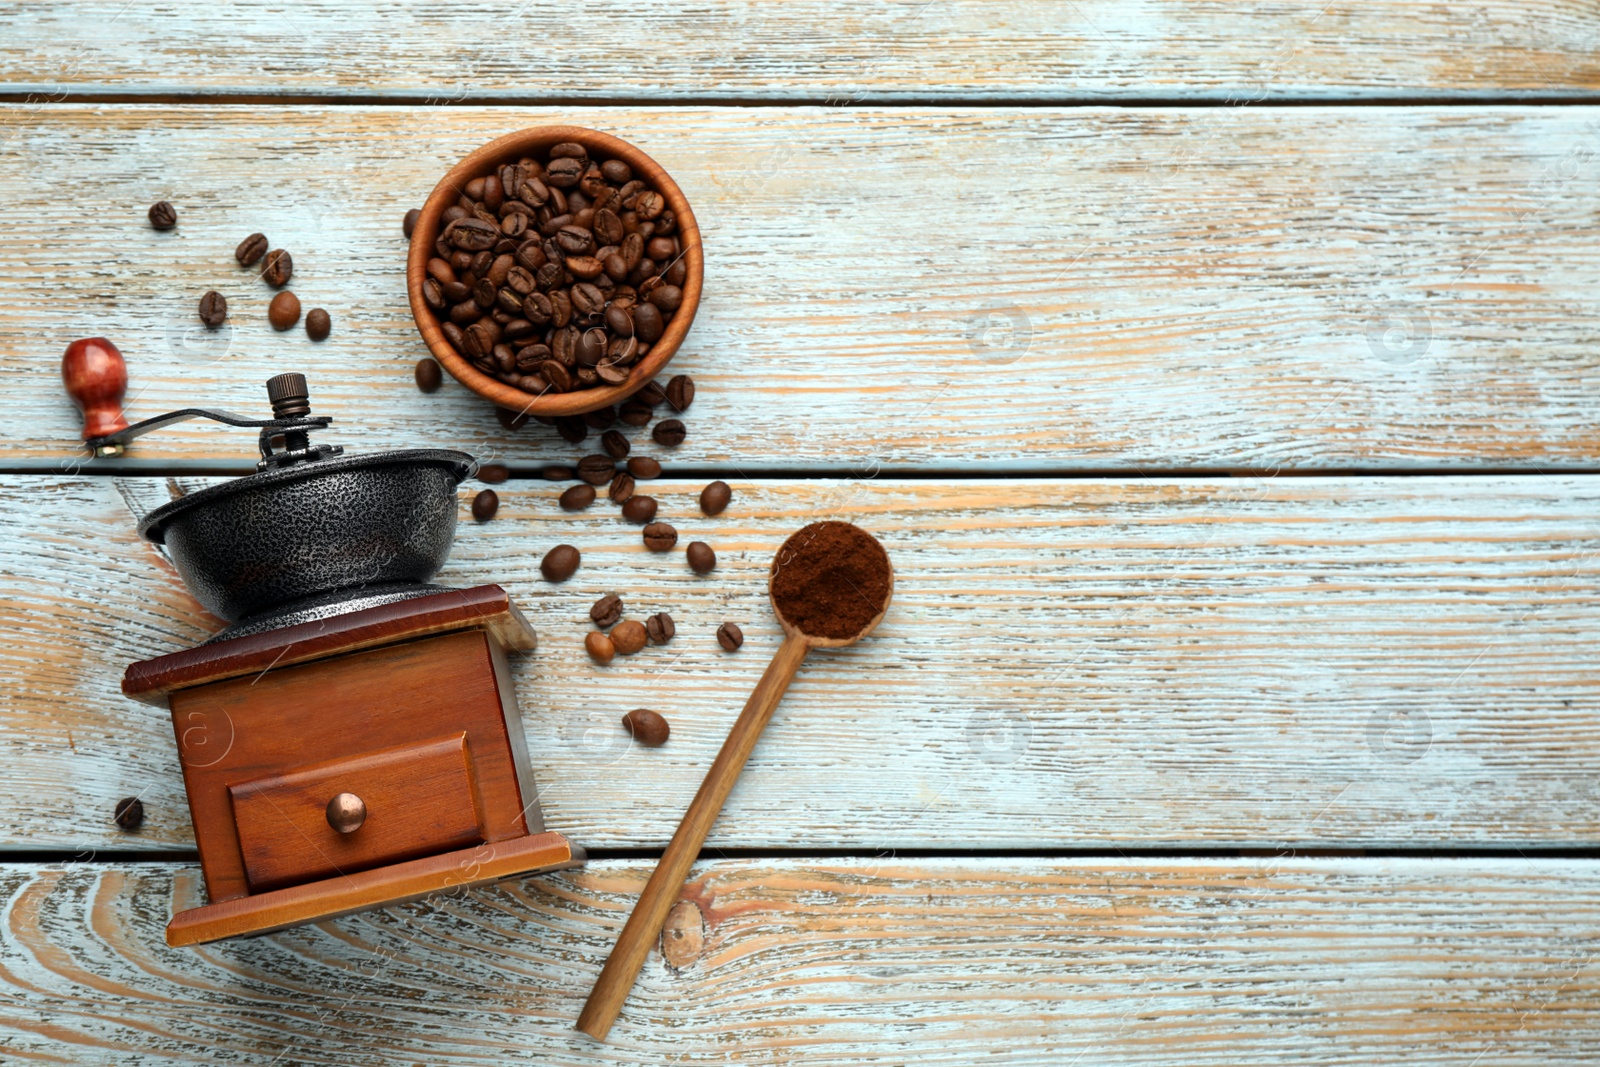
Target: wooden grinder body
<point x="408" y="707"/>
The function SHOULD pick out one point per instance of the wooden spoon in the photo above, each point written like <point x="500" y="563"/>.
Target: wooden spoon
<point x="661" y="892"/>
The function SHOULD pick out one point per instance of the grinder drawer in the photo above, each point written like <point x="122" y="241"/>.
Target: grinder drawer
<point x="419" y="799"/>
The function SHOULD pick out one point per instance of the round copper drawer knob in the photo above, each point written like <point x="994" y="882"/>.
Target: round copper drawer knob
<point x="346" y="813"/>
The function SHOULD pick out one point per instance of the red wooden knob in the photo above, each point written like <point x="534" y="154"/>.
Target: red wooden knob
<point x="96" y="379"/>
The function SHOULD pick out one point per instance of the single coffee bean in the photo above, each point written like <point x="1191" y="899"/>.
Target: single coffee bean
<point x="563" y="173"/>
<point x="559" y="563"/>
<point x="714" y="498"/>
<point x="701" y="559"/>
<point x="644" y="467"/>
<point x="284" y="311"/>
<point x="660" y="628"/>
<point x="318" y="324"/>
<point x="652" y="394"/>
<point x="511" y="420"/>
<point x="410" y="224"/>
<point x="577" y="497"/>
<point x="599" y="647"/>
<point x="661" y="249"/>
<point x="213" y="309"/>
<point x="572" y="430"/>
<point x="600" y="419"/>
<point x="647" y="727"/>
<point x="129" y="813"/>
<point x="629" y="637"/>
<point x="472" y="234"/>
<point x="667" y="297"/>
<point x="606" y="611"/>
<point x="485" y="504"/>
<point x="557" y="473"/>
<point x="634" y="412"/>
<point x="163" y="216"/>
<point x="614" y="443"/>
<point x="279" y="268"/>
<point x="648" y="325"/>
<point x="596" y="469"/>
<point x="639" y="509"/>
<point x="669" y="432"/>
<point x="660" y="536"/>
<point x="616" y="172"/>
<point x="680" y="392"/>
<point x="493" y="473"/>
<point x="730" y="637"/>
<point x="251" y="249"/>
<point x="429" y="375"/>
<point x="621" y="488"/>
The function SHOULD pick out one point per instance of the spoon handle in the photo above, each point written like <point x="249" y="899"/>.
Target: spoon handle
<point x="661" y="892"/>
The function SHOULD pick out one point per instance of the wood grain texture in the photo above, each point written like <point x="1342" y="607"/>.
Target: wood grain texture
<point x="866" y="963"/>
<point x="809" y="50"/>
<point x="1404" y="661"/>
<point x="1019" y="290"/>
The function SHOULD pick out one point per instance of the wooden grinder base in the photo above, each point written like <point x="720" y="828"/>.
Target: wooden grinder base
<point x="408" y="707"/>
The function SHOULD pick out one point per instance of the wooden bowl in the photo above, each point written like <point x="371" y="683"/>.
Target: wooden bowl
<point x="508" y="149"/>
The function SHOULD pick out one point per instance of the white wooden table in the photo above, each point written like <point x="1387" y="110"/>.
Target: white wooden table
<point x="1222" y="379"/>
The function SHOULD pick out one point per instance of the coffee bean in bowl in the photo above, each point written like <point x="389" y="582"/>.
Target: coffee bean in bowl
<point x="555" y="270"/>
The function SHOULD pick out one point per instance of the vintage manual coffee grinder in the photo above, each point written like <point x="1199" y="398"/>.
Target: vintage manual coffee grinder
<point x="352" y="739"/>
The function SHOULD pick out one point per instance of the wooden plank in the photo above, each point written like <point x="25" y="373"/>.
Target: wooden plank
<point x="1313" y="661"/>
<point x="1033" y="963"/>
<point x="1135" y="291"/>
<point x="804" y="50"/>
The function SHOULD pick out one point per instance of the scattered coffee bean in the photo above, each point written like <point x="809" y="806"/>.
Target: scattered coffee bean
<point x="621" y="488"/>
<point x="600" y="419"/>
<point x="730" y="636"/>
<point x="615" y="444"/>
<point x="555" y="473"/>
<point x="660" y="628"/>
<point x="493" y="473"/>
<point x="284" y="311"/>
<point x="511" y="420"/>
<point x="318" y="324"/>
<point x="660" y="536"/>
<point x="701" y="559"/>
<point x="213" y="309"/>
<point x="279" y="268"/>
<point x="596" y="469"/>
<point x="639" y="508"/>
<point x="652" y="394"/>
<point x="485" y="504"/>
<point x="606" y="611"/>
<point x="600" y="277"/>
<point x="669" y="432"/>
<point x="629" y="637"/>
<point x="429" y="375"/>
<point x="635" y="413"/>
<point x="647" y="727"/>
<point x="410" y="223"/>
<point x="129" y="812"/>
<point x="559" y="563"/>
<point x="572" y="429"/>
<point x="577" y="497"/>
<point x="163" y="216"/>
<point x="714" y="498"/>
<point x="680" y="392"/>
<point x="644" y="467"/>
<point x="251" y="249"/>
<point x="599" y="647"/>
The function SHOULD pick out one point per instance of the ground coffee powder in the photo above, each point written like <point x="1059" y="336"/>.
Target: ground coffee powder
<point x="830" y="579"/>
